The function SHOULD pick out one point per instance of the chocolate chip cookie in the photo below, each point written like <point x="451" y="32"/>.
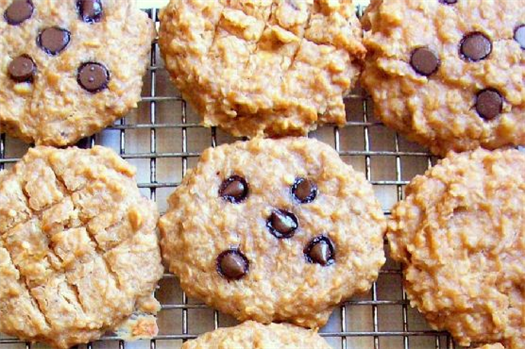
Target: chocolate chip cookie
<point x="67" y="70"/>
<point x="460" y="234"/>
<point x="448" y="74"/>
<point x="253" y="335"/>
<point x="274" y="230"/>
<point x="79" y="253"/>
<point x="268" y="67"/>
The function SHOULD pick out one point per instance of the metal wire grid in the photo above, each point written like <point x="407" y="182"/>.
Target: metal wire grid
<point x="339" y="332"/>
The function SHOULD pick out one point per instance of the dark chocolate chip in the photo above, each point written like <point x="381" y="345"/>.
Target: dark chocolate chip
<point x="425" y="61"/>
<point x="90" y="11"/>
<point x="282" y="224"/>
<point x="475" y="47"/>
<point x="93" y="77"/>
<point x="320" y="251"/>
<point x="19" y="11"/>
<point x="304" y="190"/>
<point x="232" y="264"/>
<point x="22" y="69"/>
<point x="54" y="40"/>
<point x="234" y="189"/>
<point x="519" y="36"/>
<point x="489" y="104"/>
<point x="448" y="2"/>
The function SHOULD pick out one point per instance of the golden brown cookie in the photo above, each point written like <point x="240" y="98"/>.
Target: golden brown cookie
<point x="274" y="230"/>
<point x="66" y="67"/>
<point x="448" y="73"/>
<point x="460" y="234"/>
<point x="253" y="335"/>
<point x="263" y="67"/>
<point x="79" y="253"/>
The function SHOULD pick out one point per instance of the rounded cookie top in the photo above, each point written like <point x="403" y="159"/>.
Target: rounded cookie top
<point x="78" y="248"/>
<point x="274" y="230"/>
<point x="267" y="67"/>
<point x="460" y="234"/>
<point x="448" y="74"/>
<point x="66" y="70"/>
<point x="253" y="335"/>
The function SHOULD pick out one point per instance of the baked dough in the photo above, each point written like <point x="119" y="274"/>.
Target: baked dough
<point x="79" y="253"/>
<point x="274" y="230"/>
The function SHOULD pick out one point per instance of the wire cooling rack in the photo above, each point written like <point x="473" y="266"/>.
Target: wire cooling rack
<point x="163" y="139"/>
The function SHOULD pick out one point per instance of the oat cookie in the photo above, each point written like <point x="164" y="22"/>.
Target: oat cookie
<point x="79" y="252"/>
<point x="253" y="335"/>
<point x="69" y="68"/>
<point x="274" y="230"/>
<point x="263" y="67"/>
<point x="460" y="234"/>
<point x="448" y="73"/>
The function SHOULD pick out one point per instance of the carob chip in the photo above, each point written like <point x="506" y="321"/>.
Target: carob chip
<point x="232" y="264"/>
<point x="489" y="104"/>
<point x="93" y="77"/>
<point x="54" y="40"/>
<point x="519" y="36"/>
<point x="475" y="47"/>
<point x="320" y="251"/>
<point x="282" y="224"/>
<point x="234" y="189"/>
<point x="90" y="11"/>
<point x="19" y="11"/>
<point x="304" y="190"/>
<point x="425" y="61"/>
<point x="22" y="69"/>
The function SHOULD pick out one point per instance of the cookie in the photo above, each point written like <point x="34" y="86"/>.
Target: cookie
<point x="460" y="235"/>
<point x="263" y="68"/>
<point x="448" y="74"/>
<point x="79" y="253"/>
<point x="253" y="335"/>
<point x="66" y="67"/>
<point x="274" y="230"/>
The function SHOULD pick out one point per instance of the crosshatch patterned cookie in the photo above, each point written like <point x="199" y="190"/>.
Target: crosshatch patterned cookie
<point x="460" y="234"/>
<point x="253" y="335"/>
<point x="448" y="74"/>
<point x="79" y="252"/>
<point x="69" y="68"/>
<point x="263" y="67"/>
<point x="274" y="230"/>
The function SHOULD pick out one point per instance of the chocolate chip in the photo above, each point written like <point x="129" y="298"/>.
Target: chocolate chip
<point x="475" y="47"/>
<point x="320" y="251"/>
<point x="304" y="190"/>
<point x="22" y="69"/>
<point x="54" y="40"/>
<point x="448" y="2"/>
<point x="425" y="61"/>
<point x="282" y="224"/>
<point x="489" y="104"/>
<point x="93" y="77"/>
<point x="90" y="11"/>
<point x="234" y="189"/>
<point x="232" y="264"/>
<point x="519" y="36"/>
<point x="19" y="11"/>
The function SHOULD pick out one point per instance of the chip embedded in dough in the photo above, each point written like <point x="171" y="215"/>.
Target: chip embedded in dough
<point x="69" y="68"/>
<point x="263" y="67"/>
<point x="448" y="74"/>
<point x="274" y="230"/>
<point x="79" y="252"/>
<point x="460" y="234"/>
<point x="253" y="335"/>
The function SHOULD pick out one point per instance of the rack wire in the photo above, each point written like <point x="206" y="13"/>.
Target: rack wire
<point x="163" y="139"/>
